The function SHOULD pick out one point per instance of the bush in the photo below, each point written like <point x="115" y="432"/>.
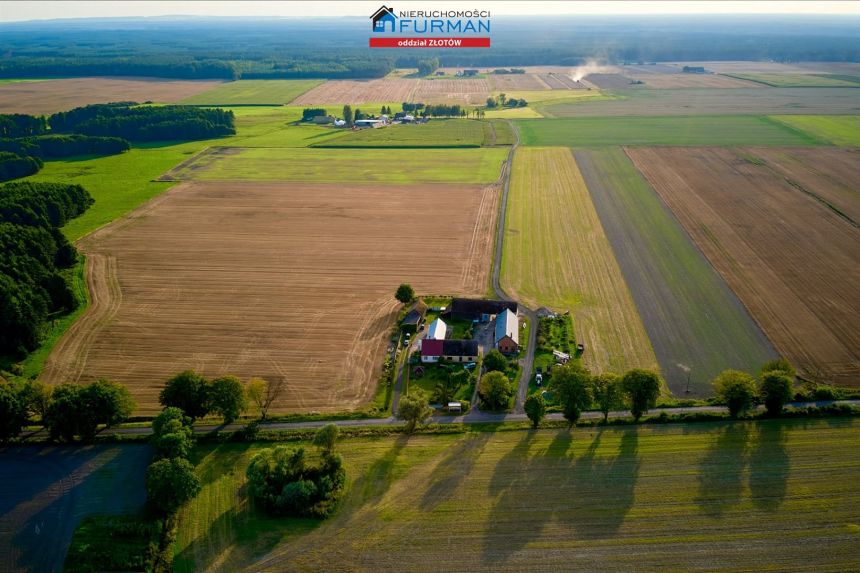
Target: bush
<point x="737" y="389"/>
<point x="775" y="391"/>
<point x="170" y="483"/>
<point x="495" y="361"/>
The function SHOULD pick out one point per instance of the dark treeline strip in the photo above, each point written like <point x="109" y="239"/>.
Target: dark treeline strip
<point x="33" y="252"/>
<point x="59" y="146"/>
<point x="13" y="165"/>
<point x="145" y="123"/>
<point x="21" y="125"/>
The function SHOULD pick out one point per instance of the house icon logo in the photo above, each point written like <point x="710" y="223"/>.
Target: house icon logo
<point x="382" y="18"/>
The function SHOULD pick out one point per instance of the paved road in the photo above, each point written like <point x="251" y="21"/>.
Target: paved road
<point x="474" y="417"/>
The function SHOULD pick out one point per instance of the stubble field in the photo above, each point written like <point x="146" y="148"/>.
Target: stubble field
<point x="256" y="92"/>
<point x="50" y="96"/>
<point x="287" y="281"/>
<point x="556" y="254"/>
<point x="792" y="259"/>
<point x="652" y="498"/>
<point x="696" y="324"/>
<point x="358" y="92"/>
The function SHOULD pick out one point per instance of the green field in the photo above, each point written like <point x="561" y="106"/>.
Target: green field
<point x="677" y="130"/>
<point x="799" y="80"/>
<point x="351" y="166"/>
<point x="837" y="129"/>
<point x="777" y="495"/>
<point x="258" y="92"/>
<point x="696" y="325"/>
<point x="435" y="133"/>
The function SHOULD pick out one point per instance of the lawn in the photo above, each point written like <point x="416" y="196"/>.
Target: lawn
<point x="435" y="133"/>
<point x="556" y="254"/>
<point x="648" y="498"/>
<point x="353" y="165"/>
<point x="676" y="130"/>
<point x="799" y="80"/>
<point x="258" y="92"/>
<point x="696" y="324"/>
<point x="837" y="129"/>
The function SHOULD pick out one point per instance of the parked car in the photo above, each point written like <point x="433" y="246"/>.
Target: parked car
<point x="469" y="365"/>
<point x="538" y="378"/>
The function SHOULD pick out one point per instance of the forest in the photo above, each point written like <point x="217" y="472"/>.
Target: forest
<point x="33" y="255"/>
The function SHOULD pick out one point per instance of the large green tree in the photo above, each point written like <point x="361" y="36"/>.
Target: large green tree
<point x="68" y="415"/>
<point x="170" y="483"/>
<point x="347" y="115"/>
<point x="496" y="390"/>
<point x="535" y="408"/>
<point x="608" y="393"/>
<point x="326" y="437"/>
<point x="495" y="361"/>
<point x="571" y="386"/>
<point x="13" y="412"/>
<point x="737" y="389"/>
<point x="405" y="293"/>
<point x="109" y="402"/>
<point x="775" y="391"/>
<point x="187" y="391"/>
<point x="227" y="398"/>
<point x="172" y="434"/>
<point x="414" y="409"/>
<point x="642" y="388"/>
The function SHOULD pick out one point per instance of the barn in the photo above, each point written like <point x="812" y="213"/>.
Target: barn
<point x="507" y="336"/>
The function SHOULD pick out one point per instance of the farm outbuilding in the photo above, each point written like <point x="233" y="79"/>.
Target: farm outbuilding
<point x="460" y="350"/>
<point x="415" y="317"/>
<point x="479" y="309"/>
<point x="507" y="336"/>
<point x="437" y="330"/>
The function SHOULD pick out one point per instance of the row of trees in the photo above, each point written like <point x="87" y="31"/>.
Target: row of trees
<point x="740" y="391"/>
<point x="170" y="479"/>
<point x="504" y="101"/>
<point x="226" y="396"/>
<point x="145" y="123"/>
<point x="59" y="146"/>
<point x="68" y="411"/>
<point x="427" y="66"/>
<point x="33" y="256"/>
<point x="22" y="125"/>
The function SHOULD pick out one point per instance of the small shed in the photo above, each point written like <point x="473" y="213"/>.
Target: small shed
<point x="455" y="407"/>
<point x="415" y="317"/>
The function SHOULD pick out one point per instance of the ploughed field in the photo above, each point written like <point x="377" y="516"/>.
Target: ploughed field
<point x="254" y="92"/>
<point x="781" y="226"/>
<point x="556" y="254"/>
<point x="773" y="494"/>
<point x="50" y="96"/>
<point x="289" y="281"/>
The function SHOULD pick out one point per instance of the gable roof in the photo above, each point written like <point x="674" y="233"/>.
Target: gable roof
<point x="431" y="347"/>
<point x="416" y="313"/>
<point x="459" y="347"/>
<point x="437" y="330"/>
<point x="476" y="306"/>
<point x="507" y="325"/>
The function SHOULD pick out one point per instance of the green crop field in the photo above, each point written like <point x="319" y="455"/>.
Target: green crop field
<point x="556" y="254"/>
<point x="260" y="92"/>
<point x="777" y="495"/>
<point x="678" y="130"/>
<point x="837" y="129"/>
<point x="697" y="326"/>
<point x="481" y="165"/>
<point x="799" y="80"/>
<point x="435" y="133"/>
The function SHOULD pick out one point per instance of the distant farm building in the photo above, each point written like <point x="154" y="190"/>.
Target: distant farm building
<point x="323" y="119"/>
<point x="693" y="70"/>
<point x="470" y="73"/>
<point x="415" y="317"/>
<point x="507" y="337"/>
<point x="479" y="309"/>
<point x="365" y="123"/>
<point x="437" y="330"/>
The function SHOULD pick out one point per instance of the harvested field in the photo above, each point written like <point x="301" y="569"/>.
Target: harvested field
<point x="837" y="129"/>
<point x="829" y="101"/>
<point x="289" y="281"/>
<point x="462" y="91"/>
<point x="669" y="130"/>
<point x="332" y="165"/>
<point x="756" y="67"/>
<point x="652" y="498"/>
<point x="46" y="491"/>
<point x="696" y="324"/>
<point x="258" y="92"/>
<point x="798" y="273"/>
<point x="520" y="82"/>
<point x="797" y="80"/>
<point x="561" y="81"/>
<point x="609" y="81"/>
<point x="46" y="97"/>
<point x="556" y="254"/>
<point x="682" y="80"/>
<point x="358" y="92"/>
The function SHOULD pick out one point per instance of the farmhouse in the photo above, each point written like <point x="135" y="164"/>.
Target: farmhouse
<point x="415" y="316"/>
<point x="507" y="337"/>
<point x="431" y="350"/>
<point x="479" y="309"/>
<point x="437" y="330"/>
<point x="460" y="350"/>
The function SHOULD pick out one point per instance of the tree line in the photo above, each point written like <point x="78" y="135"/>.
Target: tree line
<point x="33" y="257"/>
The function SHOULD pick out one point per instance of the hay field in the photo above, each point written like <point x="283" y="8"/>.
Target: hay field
<point x="518" y="82"/>
<point x="837" y="129"/>
<point x="682" y="80"/>
<point x="258" y="92"/>
<point x="358" y="92"/>
<point x="556" y="254"/>
<point x="436" y="133"/>
<point x="290" y="281"/>
<point x="333" y="165"/>
<point x="792" y="260"/>
<point x="50" y="96"/>
<point x="696" y="324"/>
<point x="653" y="498"/>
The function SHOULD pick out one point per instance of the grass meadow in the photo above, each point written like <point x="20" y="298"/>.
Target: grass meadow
<point x="646" y="498"/>
<point x="697" y="326"/>
<point x="837" y="129"/>
<point x="254" y="92"/>
<point x="675" y="130"/>
<point x="435" y="133"/>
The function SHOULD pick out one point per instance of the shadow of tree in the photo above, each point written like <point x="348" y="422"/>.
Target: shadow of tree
<point x="721" y="470"/>
<point x="454" y="468"/>
<point x="224" y="458"/>
<point x="769" y="466"/>
<point x="378" y="477"/>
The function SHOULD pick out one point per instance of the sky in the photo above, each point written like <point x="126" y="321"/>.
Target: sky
<point x="11" y="11"/>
